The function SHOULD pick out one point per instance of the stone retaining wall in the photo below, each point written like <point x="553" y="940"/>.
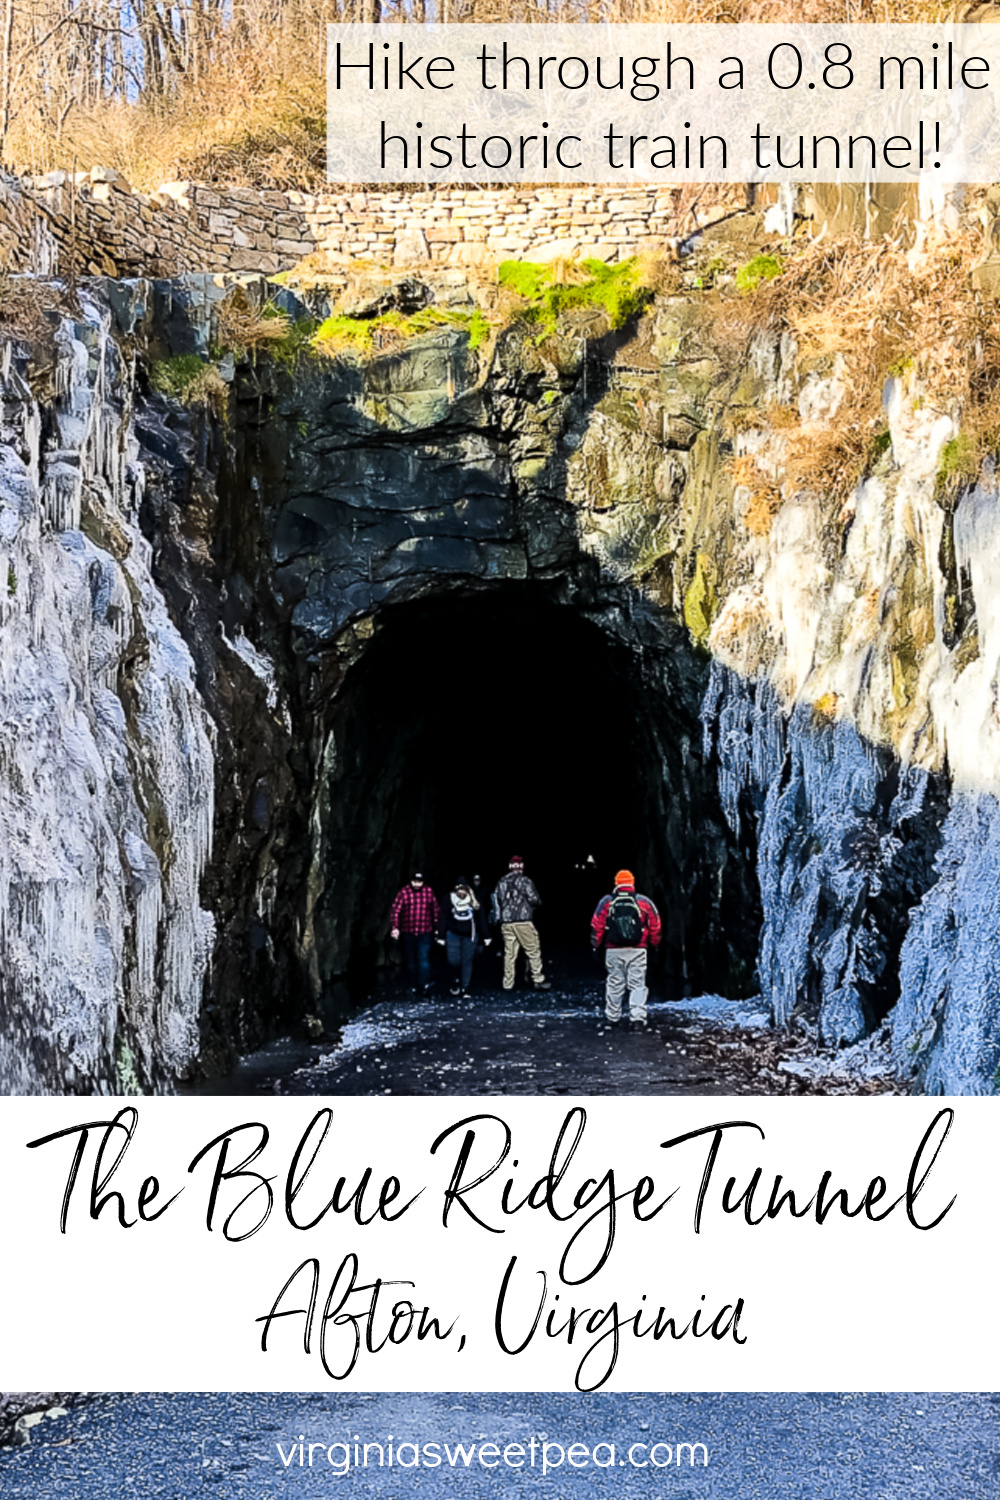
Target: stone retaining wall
<point x="96" y="222"/>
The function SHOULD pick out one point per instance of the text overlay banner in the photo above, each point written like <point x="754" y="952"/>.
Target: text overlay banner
<point x="500" y="1244"/>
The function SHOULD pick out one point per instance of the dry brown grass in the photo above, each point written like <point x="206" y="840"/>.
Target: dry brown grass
<point x="26" y="309"/>
<point x="245" y="123"/>
<point x="763" y="496"/>
<point x="30" y="313"/>
<point x="247" y="328"/>
<point x="779" y="417"/>
<point x="208" y="391"/>
<point x="659" y="271"/>
<point x="871" y="310"/>
<point x="752" y="12"/>
<point x="830" y="455"/>
<point x="238" y="96"/>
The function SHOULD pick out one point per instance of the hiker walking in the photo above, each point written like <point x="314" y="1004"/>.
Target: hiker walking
<point x="627" y="924"/>
<point x="482" y="896"/>
<point x="516" y="899"/>
<point x="414" y="919"/>
<point x="463" y="927"/>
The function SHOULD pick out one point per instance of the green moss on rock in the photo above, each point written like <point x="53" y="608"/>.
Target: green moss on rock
<point x="616" y="290"/>
<point x="701" y="601"/>
<point x="761" y="268"/>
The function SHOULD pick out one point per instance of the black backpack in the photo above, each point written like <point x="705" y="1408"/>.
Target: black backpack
<point x="624" y="927"/>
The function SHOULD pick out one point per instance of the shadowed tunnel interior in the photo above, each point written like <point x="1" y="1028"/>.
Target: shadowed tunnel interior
<point x="476" y="726"/>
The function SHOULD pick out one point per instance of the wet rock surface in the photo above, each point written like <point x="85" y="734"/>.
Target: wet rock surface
<point x="760" y="1447"/>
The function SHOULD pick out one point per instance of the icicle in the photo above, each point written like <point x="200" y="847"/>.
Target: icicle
<point x="91" y="927"/>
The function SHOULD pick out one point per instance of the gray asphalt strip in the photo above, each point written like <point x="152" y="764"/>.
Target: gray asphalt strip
<point x="758" y="1447"/>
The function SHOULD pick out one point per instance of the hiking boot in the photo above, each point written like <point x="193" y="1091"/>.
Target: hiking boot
<point x="541" y="984"/>
<point x="455" y="991"/>
<point x="639" y="1023"/>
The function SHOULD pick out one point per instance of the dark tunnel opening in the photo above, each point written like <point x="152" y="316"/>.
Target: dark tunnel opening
<point x="478" y="726"/>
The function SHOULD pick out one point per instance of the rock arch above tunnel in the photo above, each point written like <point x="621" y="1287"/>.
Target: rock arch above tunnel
<point x="430" y="586"/>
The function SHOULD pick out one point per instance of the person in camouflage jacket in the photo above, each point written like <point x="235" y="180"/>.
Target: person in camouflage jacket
<point x="516" y="899"/>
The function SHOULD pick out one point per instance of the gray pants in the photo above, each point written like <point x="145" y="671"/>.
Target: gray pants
<point x="626" y="972"/>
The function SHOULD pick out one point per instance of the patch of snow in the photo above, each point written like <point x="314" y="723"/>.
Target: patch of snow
<point x="260" y="665"/>
<point x="752" y="1014"/>
<point x="869" y="1061"/>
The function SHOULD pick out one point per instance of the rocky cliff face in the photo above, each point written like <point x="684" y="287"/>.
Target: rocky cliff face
<point x="297" y="594"/>
<point x="106" y="791"/>
<point x="851" y="710"/>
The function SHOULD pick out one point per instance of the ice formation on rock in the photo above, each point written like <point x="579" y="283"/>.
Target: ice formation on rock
<point x="106" y="764"/>
<point x="874" y="801"/>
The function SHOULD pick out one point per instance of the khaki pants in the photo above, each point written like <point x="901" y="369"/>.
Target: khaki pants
<point x="626" y="971"/>
<point x="521" y="935"/>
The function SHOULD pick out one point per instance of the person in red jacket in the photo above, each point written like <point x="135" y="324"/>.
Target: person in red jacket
<point x="628" y="925"/>
<point x="414" y="918"/>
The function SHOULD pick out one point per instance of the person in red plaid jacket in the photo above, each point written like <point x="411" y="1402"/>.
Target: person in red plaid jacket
<point x="414" y="919"/>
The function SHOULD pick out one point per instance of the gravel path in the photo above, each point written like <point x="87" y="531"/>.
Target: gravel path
<point x="760" y="1447"/>
<point x="554" y="1042"/>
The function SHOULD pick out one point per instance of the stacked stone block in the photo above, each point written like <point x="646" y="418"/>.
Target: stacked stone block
<point x="95" y="223"/>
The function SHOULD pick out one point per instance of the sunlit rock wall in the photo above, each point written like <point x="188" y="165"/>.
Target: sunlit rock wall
<point x="850" y="719"/>
<point x="852" y="710"/>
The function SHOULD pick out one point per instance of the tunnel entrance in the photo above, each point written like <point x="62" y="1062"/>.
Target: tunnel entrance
<point x="475" y="726"/>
